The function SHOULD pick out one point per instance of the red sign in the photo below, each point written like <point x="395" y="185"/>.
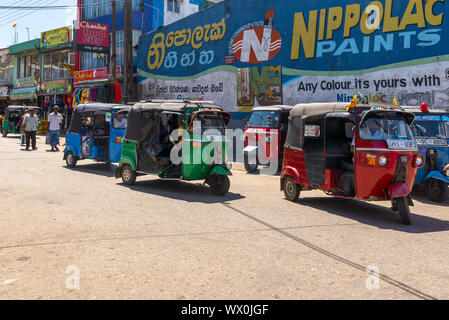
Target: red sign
<point x="92" y="75"/>
<point x="92" y="36"/>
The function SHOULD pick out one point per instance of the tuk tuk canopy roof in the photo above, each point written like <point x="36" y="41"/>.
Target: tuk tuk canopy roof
<point x="133" y="130"/>
<point x="18" y="108"/>
<point x="416" y="109"/>
<point x="282" y="108"/>
<point x="312" y="109"/>
<point x="86" y="108"/>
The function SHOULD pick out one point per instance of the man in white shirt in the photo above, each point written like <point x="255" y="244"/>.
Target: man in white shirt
<point x="372" y="130"/>
<point x="55" y="121"/>
<point x="30" y="123"/>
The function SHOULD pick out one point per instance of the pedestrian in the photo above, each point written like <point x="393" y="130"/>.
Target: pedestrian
<point x="55" y="121"/>
<point x="23" y="133"/>
<point x="30" y="123"/>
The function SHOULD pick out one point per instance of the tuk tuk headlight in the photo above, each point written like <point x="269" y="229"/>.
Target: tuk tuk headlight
<point x="383" y="161"/>
<point x="267" y="139"/>
<point x="446" y="171"/>
<point x="228" y="164"/>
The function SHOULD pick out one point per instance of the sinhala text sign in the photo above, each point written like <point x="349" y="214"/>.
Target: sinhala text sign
<point x="248" y="53"/>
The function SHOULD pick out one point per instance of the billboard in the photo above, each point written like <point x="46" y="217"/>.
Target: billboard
<point x="92" y="36"/>
<point x="250" y="53"/>
<point x="56" y="38"/>
<point x="92" y="75"/>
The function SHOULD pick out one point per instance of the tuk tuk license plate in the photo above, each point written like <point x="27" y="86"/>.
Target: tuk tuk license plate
<point x="402" y="144"/>
<point x="432" y="142"/>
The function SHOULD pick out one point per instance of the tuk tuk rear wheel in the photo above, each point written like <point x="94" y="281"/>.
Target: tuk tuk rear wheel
<point x="291" y="189"/>
<point x="404" y="210"/>
<point x="219" y="185"/>
<point x="4" y="133"/>
<point x="128" y="175"/>
<point x="436" y="190"/>
<point x="71" y="160"/>
<point x="250" y="167"/>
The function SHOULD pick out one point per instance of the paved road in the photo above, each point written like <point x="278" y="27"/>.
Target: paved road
<point x="174" y="240"/>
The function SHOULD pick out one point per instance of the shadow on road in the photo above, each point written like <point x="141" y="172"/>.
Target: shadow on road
<point x="375" y="215"/>
<point x="181" y="190"/>
<point x="100" y="168"/>
<point x="421" y="197"/>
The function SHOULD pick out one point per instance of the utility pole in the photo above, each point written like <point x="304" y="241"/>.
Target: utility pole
<point x="128" y="52"/>
<point x="114" y="41"/>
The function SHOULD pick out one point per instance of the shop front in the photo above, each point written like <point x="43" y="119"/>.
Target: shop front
<point x="95" y="86"/>
<point x="56" y="92"/>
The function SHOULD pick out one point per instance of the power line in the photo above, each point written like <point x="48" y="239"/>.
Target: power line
<point x="11" y="19"/>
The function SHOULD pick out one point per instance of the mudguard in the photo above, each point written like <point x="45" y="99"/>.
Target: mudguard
<point x="290" y="171"/>
<point x="220" y="171"/>
<point x="398" y="190"/>
<point x="67" y="149"/>
<point x="437" y="175"/>
<point x="124" y="160"/>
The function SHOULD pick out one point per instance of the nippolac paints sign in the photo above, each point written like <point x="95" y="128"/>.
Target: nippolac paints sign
<point x="262" y="52"/>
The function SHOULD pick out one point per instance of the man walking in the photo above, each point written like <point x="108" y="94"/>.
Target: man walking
<point x="30" y="122"/>
<point x="55" y="121"/>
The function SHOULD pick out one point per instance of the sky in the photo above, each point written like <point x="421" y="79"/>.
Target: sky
<point x="37" y="21"/>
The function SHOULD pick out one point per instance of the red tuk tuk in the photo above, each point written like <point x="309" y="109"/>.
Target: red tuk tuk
<point x="367" y="153"/>
<point x="265" y="134"/>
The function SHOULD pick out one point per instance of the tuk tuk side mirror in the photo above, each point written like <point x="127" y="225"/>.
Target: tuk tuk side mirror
<point x="283" y="128"/>
<point x="349" y="130"/>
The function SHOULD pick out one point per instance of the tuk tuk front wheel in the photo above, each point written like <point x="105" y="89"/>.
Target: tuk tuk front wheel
<point x="250" y="167"/>
<point x="71" y="160"/>
<point x="4" y="133"/>
<point x="219" y="184"/>
<point x="128" y="175"/>
<point x="436" y="190"/>
<point x="291" y="189"/>
<point x="404" y="210"/>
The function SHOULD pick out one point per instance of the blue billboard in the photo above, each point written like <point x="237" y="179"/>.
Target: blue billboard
<point x="243" y="54"/>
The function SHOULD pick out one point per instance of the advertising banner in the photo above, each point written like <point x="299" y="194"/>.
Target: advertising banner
<point x="54" y="87"/>
<point x="25" y="82"/>
<point x="92" y="75"/>
<point x="242" y="54"/>
<point x="56" y="38"/>
<point x="92" y="36"/>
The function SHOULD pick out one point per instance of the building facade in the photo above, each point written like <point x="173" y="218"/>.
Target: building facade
<point x="6" y="71"/>
<point x="147" y="15"/>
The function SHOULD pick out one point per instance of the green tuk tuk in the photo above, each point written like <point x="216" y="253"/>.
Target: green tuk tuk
<point x="11" y="121"/>
<point x="177" y="140"/>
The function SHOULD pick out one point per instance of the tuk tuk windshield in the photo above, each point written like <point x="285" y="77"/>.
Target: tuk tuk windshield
<point x="210" y="120"/>
<point x="264" y="119"/>
<point x="430" y="127"/>
<point x="382" y="129"/>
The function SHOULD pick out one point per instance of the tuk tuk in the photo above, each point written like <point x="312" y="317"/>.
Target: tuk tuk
<point x="96" y="132"/>
<point x="11" y="120"/>
<point x="431" y="131"/>
<point x="177" y="140"/>
<point x="265" y="134"/>
<point x="365" y="153"/>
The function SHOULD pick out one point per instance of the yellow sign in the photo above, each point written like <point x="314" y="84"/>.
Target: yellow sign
<point x="56" y="37"/>
<point x="353" y="16"/>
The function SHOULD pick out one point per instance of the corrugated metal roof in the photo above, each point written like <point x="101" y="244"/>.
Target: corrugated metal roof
<point x="24" y="46"/>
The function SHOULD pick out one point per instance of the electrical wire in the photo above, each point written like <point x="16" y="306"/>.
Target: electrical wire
<point x="11" y="19"/>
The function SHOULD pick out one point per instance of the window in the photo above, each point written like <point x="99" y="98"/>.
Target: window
<point x="174" y="6"/>
<point x="92" y="60"/>
<point x="120" y="48"/>
<point x="97" y="8"/>
<point x="57" y="65"/>
<point x="120" y="120"/>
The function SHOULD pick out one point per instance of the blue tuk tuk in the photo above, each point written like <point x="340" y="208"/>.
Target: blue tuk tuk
<point x="431" y="131"/>
<point x="96" y="132"/>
